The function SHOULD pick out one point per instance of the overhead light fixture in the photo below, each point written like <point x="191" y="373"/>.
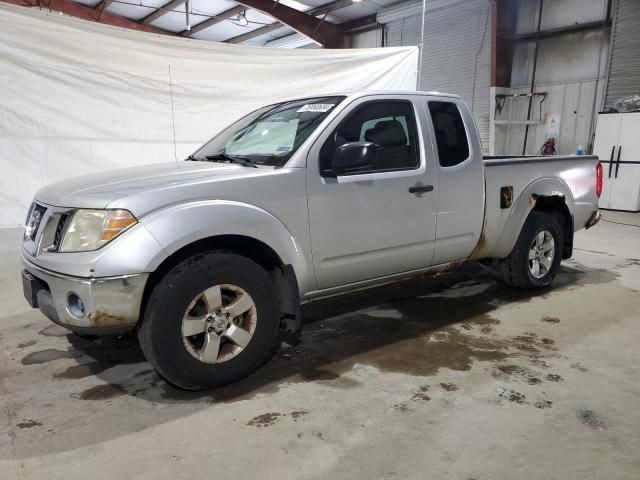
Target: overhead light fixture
<point x="240" y="19"/>
<point x="356" y="1"/>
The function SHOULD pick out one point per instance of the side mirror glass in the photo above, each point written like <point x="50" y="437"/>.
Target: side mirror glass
<point x="352" y="157"/>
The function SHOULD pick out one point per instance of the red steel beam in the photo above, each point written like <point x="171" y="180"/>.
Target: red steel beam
<point x="87" y="13"/>
<point x="327" y="34"/>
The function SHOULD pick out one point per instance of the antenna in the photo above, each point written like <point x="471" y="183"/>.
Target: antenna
<point x="173" y="117"/>
<point x="421" y="44"/>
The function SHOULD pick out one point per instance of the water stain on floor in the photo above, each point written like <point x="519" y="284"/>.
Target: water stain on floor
<point x="421" y="394"/>
<point x="265" y="420"/>
<point x="106" y="353"/>
<point x="401" y="407"/>
<point x="76" y="372"/>
<point x="298" y="414"/>
<point x="29" y="424"/>
<point x="49" y="355"/>
<point x="102" y="392"/>
<point x="551" y="319"/>
<point x="591" y="419"/>
<point x="511" y="395"/>
<point x="578" y="366"/>
<point x="519" y="372"/>
<point x="54" y="331"/>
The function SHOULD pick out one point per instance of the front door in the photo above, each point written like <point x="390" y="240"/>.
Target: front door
<point x="367" y="223"/>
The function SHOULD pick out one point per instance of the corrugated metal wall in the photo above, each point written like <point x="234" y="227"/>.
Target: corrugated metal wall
<point x="571" y="69"/>
<point x="624" y="71"/>
<point x="457" y="52"/>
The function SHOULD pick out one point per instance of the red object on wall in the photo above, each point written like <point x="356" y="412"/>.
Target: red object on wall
<point x="549" y="147"/>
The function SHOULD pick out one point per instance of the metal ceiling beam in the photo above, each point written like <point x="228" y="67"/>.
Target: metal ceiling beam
<point x="306" y="23"/>
<point x="220" y="17"/>
<point x="88" y="13"/>
<point x="554" y="32"/>
<point x="329" y="7"/>
<point x="255" y="33"/>
<point x="370" y="22"/>
<point x="103" y="4"/>
<point x="317" y="11"/>
<point x="163" y="10"/>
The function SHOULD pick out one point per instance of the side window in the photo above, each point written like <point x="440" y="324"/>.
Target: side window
<point x="451" y="136"/>
<point x="390" y="125"/>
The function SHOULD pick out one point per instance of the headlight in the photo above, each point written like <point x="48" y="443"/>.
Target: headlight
<point x="91" y="229"/>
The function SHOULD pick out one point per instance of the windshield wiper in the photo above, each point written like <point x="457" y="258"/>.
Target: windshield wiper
<point x="193" y="159"/>
<point x="232" y="159"/>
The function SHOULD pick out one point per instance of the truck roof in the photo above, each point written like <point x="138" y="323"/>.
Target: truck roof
<point x="432" y="93"/>
<point x="362" y="93"/>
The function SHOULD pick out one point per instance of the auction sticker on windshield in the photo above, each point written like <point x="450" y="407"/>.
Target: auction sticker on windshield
<point x="316" y="107"/>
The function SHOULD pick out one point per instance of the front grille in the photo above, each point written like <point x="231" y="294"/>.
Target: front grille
<point x="52" y="232"/>
<point x="57" y="237"/>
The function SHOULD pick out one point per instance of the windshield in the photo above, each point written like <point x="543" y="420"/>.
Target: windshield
<point x="270" y="135"/>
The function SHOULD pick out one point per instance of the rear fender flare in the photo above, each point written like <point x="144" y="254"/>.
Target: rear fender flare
<point x="524" y="204"/>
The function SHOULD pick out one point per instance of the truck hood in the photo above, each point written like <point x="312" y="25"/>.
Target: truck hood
<point x="98" y="190"/>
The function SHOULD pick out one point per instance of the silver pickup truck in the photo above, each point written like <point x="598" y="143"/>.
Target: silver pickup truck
<point x="210" y="259"/>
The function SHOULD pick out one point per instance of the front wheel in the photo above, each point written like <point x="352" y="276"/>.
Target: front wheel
<point x="535" y="259"/>
<point x="211" y="320"/>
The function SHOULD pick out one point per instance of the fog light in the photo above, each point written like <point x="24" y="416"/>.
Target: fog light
<point x="75" y="305"/>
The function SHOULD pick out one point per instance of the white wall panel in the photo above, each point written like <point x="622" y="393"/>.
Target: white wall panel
<point x="88" y="97"/>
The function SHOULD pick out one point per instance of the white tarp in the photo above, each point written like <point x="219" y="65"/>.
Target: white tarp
<point x="79" y="97"/>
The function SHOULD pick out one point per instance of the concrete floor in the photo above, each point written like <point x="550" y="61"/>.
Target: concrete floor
<point x="452" y="377"/>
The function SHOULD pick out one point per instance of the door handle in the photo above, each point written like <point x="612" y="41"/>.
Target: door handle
<point x="613" y="150"/>
<point x="618" y="160"/>
<point x="419" y="189"/>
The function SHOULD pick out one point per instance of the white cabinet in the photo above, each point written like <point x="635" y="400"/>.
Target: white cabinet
<point x="617" y="144"/>
<point x="625" y="192"/>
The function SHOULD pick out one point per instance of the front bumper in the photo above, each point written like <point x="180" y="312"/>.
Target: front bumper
<point x="109" y="305"/>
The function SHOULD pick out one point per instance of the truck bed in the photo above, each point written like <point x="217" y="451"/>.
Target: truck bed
<point x="510" y="194"/>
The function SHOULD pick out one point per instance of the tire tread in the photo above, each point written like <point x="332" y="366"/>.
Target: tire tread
<point x="513" y="271"/>
<point x="215" y="259"/>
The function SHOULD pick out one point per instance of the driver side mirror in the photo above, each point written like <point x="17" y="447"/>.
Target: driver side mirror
<point x="352" y="157"/>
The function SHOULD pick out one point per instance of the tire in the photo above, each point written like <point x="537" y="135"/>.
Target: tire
<point x="162" y="332"/>
<point x="516" y="269"/>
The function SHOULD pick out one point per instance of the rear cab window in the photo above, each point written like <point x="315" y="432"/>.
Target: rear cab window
<point x="450" y="133"/>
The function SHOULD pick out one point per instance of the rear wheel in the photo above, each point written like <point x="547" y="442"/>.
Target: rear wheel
<point x="535" y="260"/>
<point x="210" y="321"/>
